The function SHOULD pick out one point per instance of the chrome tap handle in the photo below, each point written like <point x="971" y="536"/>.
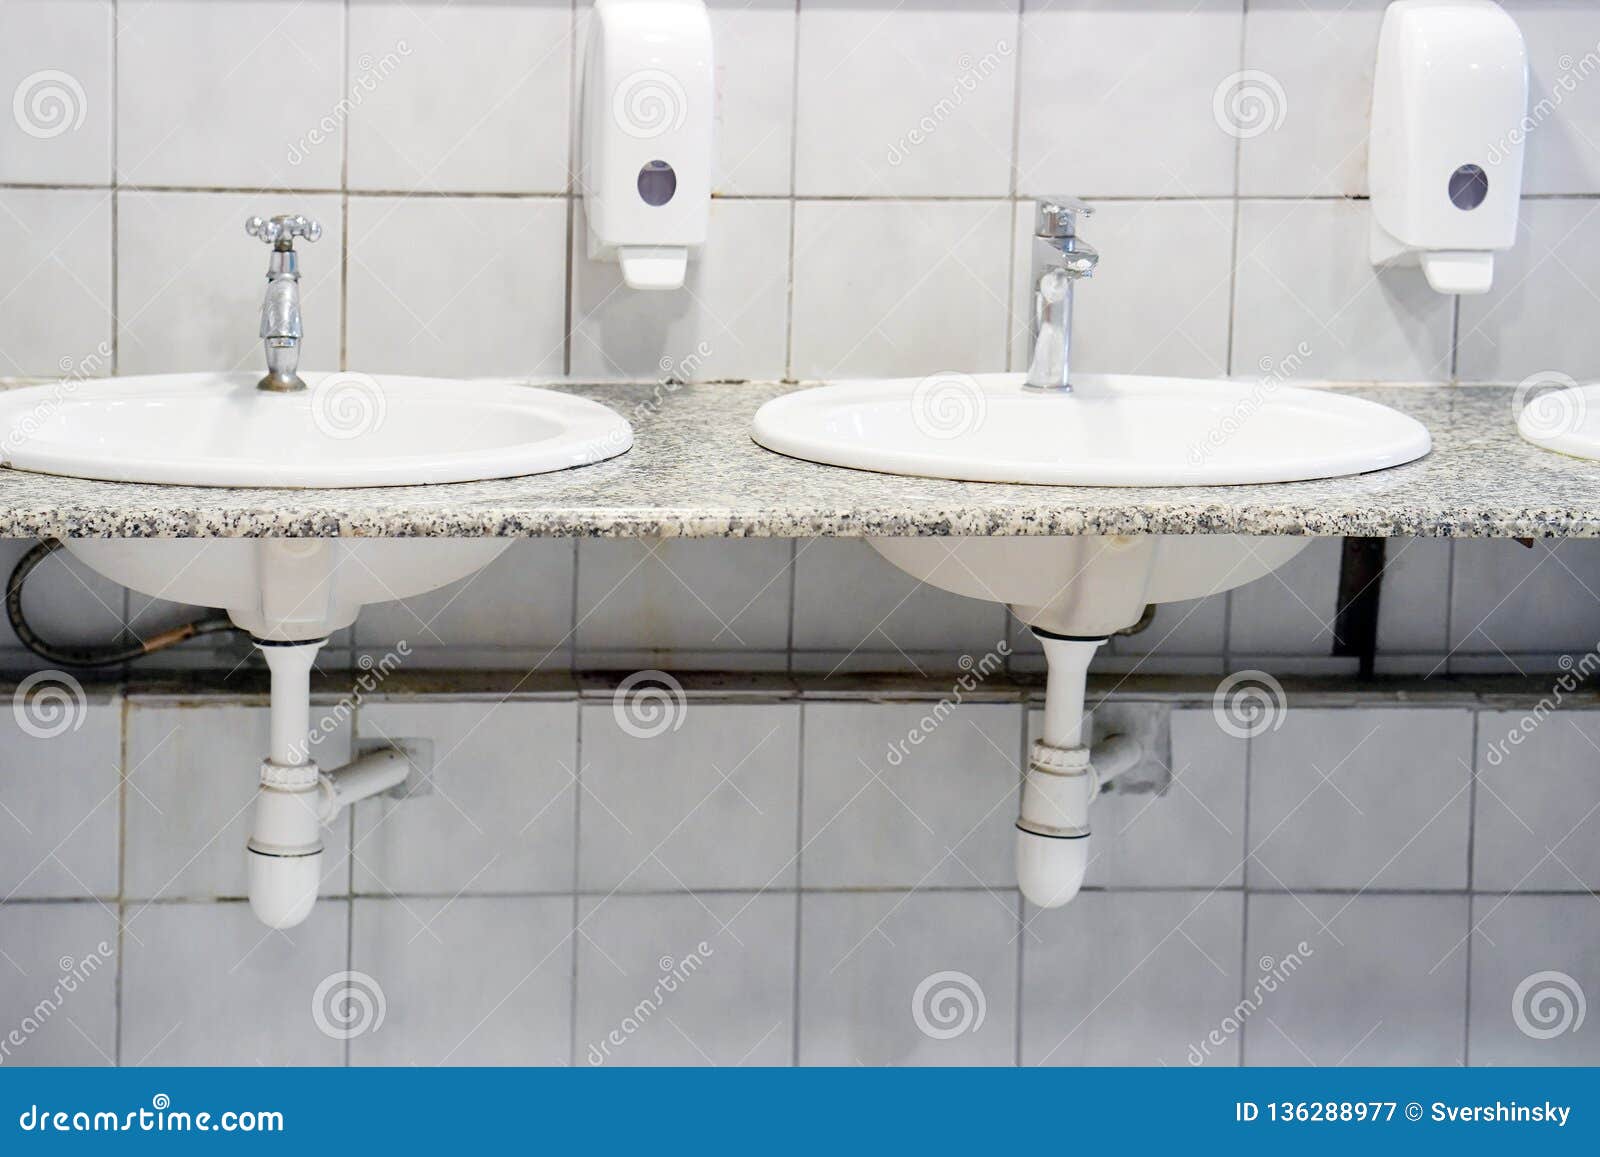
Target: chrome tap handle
<point x="1057" y="217"/>
<point x="1056" y="228"/>
<point x="281" y="231"/>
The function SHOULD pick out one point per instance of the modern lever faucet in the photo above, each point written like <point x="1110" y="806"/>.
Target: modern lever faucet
<point x="1060" y="258"/>
<point x="280" y="311"/>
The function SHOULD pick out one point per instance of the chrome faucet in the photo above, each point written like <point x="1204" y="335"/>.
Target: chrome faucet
<point x="1060" y="258"/>
<point x="280" y="311"/>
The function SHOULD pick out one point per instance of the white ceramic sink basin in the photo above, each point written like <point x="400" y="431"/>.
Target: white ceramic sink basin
<point x="1564" y="420"/>
<point x="347" y="429"/>
<point x="1116" y="430"/>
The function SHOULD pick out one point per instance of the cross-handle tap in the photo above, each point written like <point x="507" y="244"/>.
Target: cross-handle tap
<point x="280" y="311"/>
<point x="1060" y="258"/>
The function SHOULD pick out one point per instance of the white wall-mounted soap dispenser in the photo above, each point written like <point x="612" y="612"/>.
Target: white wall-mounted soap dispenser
<point x="1448" y="127"/>
<point x="648" y="108"/>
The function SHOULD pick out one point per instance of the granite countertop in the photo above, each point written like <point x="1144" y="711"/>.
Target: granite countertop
<point x="695" y="473"/>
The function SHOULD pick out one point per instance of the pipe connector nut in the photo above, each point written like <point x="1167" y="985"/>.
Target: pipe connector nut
<point x="290" y="777"/>
<point x="1051" y="760"/>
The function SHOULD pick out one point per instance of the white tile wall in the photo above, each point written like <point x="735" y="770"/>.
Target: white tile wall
<point x="1384" y="982"/>
<point x="499" y="126"/>
<point x="722" y="604"/>
<point x="1131" y="979"/>
<point x="60" y="788"/>
<point x="1537" y="807"/>
<point x="918" y="105"/>
<point x="1522" y="327"/>
<point x="55" y="313"/>
<point x="58" y="969"/>
<point x="1510" y="603"/>
<point x="918" y="978"/>
<point x="755" y="97"/>
<point x="497" y="813"/>
<point x="186" y="970"/>
<point x="1305" y="282"/>
<point x="1528" y="953"/>
<point x="908" y="308"/>
<point x="191" y="79"/>
<point x="455" y="286"/>
<point x="469" y="980"/>
<point x="1361" y="799"/>
<point x="686" y="980"/>
<point x="1117" y="100"/>
<point x="896" y="798"/>
<point x="480" y="946"/>
<point x="1304" y="110"/>
<point x="710" y="802"/>
<point x="56" y="59"/>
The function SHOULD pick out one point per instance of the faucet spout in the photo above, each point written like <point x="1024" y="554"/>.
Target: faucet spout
<point x="281" y="328"/>
<point x="1060" y="259"/>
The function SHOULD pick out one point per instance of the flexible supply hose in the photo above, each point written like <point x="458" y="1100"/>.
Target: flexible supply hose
<point x="91" y="655"/>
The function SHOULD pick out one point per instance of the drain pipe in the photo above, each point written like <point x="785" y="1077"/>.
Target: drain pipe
<point x="284" y="853"/>
<point x="1064" y="775"/>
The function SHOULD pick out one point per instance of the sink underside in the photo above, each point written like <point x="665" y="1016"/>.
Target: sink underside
<point x="345" y="430"/>
<point x="1114" y="430"/>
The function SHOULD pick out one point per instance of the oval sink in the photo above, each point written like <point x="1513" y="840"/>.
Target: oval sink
<point x="345" y="430"/>
<point x="1565" y="420"/>
<point x="1117" y="430"/>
